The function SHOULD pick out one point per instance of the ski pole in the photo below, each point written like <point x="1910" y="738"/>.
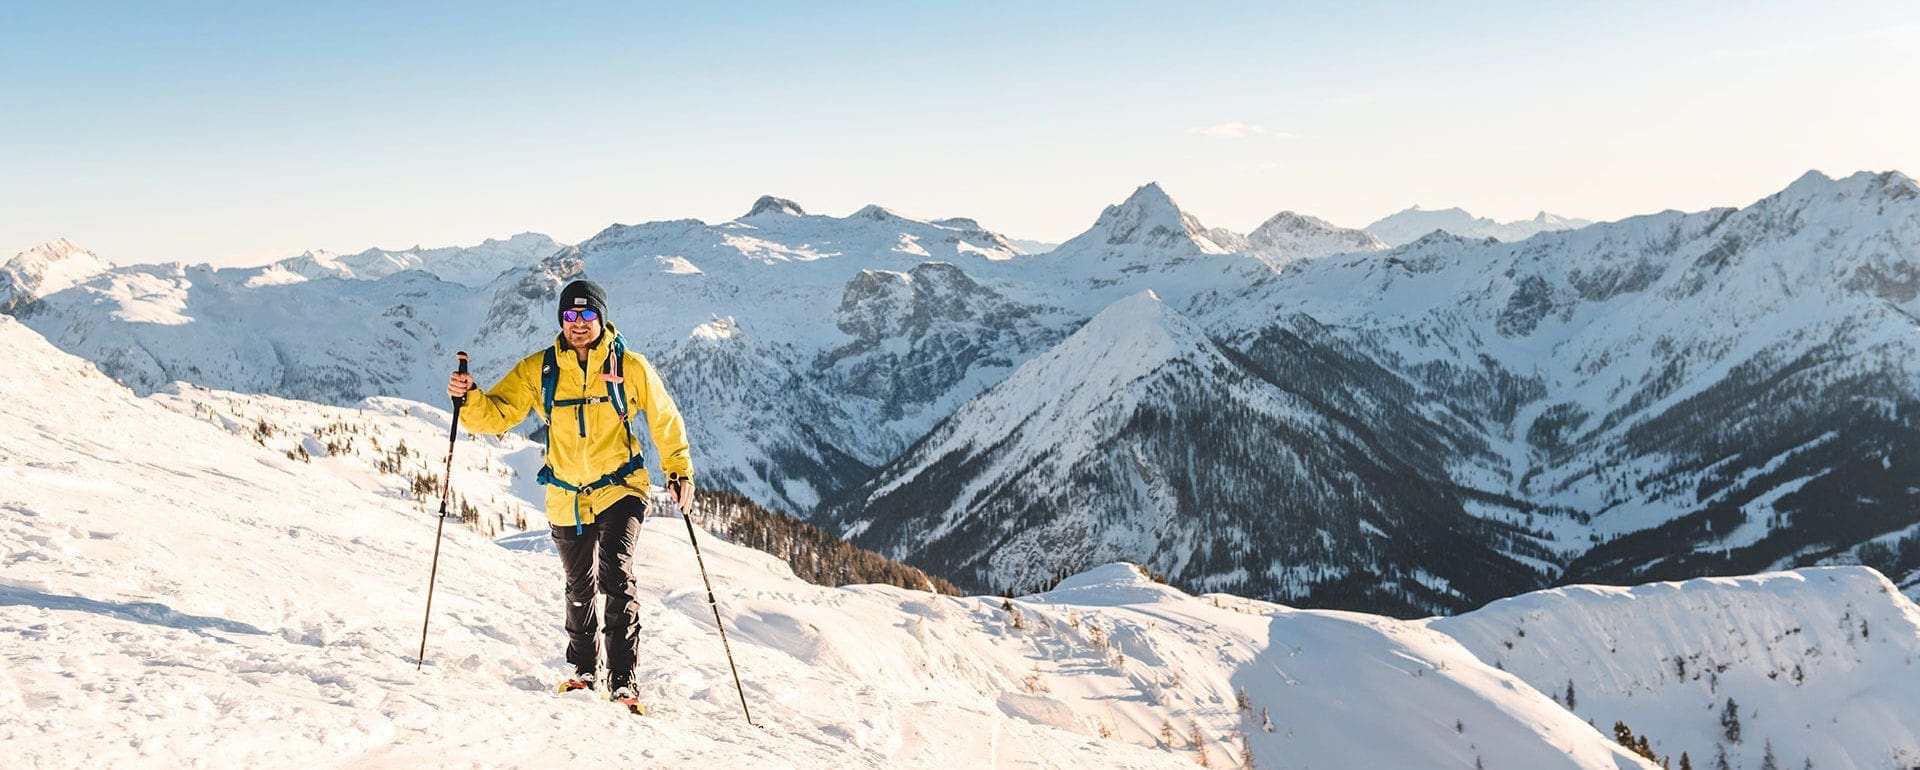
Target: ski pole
<point x="687" y="516"/>
<point x="446" y="488"/>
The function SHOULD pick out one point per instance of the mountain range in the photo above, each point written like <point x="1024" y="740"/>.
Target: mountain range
<point x="1299" y="414"/>
<point x="1408" y="225"/>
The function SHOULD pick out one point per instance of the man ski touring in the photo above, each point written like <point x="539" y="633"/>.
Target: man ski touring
<point x="589" y="389"/>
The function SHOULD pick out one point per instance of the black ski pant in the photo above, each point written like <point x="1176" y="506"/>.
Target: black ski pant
<point x="601" y="558"/>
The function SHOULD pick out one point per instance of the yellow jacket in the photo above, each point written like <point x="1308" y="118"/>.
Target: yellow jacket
<point x="581" y="448"/>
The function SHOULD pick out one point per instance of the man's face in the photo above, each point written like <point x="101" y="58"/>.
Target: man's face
<point x="580" y="333"/>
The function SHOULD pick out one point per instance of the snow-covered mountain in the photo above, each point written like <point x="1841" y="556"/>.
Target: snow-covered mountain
<point x="469" y="265"/>
<point x="45" y="269"/>
<point x="1707" y="393"/>
<point x="1814" y="666"/>
<point x="1147" y="242"/>
<point x="1409" y="225"/>
<point x="190" y="610"/>
<point x="1287" y="236"/>
<point x="780" y="273"/>
<point x="1665" y="396"/>
<point x="1086" y="454"/>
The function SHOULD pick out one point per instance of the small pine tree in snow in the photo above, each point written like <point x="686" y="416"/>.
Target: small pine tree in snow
<point x="1166" y="732"/>
<point x="1767" y="760"/>
<point x="1570" y="700"/>
<point x="1720" y="757"/>
<point x="1622" y="734"/>
<point x="1242" y="702"/>
<point x="1197" y="741"/>
<point x="1730" y="721"/>
<point x="1686" y="762"/>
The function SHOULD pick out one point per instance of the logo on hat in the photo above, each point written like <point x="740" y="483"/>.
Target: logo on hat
<point x="579" y="300"/>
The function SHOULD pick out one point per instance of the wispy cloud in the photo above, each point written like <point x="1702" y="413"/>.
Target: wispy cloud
<point x="1237" y="130"/>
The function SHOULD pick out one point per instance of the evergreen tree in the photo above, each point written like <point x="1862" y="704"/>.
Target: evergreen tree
<point x="1767" y="760"/>
<point x="1730" y="720"/>
<point x="1622" y="734"/>
<point x="1720" y="757"/>
<point x="1571" y="705"/>
<point x="1686" y="762"/>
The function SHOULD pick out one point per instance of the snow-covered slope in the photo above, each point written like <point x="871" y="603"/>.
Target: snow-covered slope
<point x="469" y="265"/>
<point x="1706" y="393"/>
<point x="1087" y="454"/>
<point x="388" y="446"/>
<point x="1409" y="225"/>
<point x="45" y="269"/>
<point x="1819" y="664"/>
<point x="179" y="595"/>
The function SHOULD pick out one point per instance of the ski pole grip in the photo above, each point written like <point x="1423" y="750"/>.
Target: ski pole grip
<point x="461" y="400"/>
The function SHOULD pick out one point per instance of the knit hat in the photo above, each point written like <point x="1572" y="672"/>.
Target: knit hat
<point x="583" y="295"/>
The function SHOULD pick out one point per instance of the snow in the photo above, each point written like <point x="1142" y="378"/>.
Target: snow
<point x="1286" y="237"/>
<point x="47" y="268"/>
<point x="1820" y="662"/>
<point x="179" y="595"/>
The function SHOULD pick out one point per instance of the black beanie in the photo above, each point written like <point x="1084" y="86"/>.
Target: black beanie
<point x="583" y="295"/>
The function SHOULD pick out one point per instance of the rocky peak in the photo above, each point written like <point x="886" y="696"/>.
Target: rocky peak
<point x="768" y="204"/>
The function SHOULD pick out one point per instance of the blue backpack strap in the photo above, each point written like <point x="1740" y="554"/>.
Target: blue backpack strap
<point x="549" y="382"/>
<point x="617" y="385"/>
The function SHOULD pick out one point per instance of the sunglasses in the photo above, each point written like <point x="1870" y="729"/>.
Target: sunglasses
<point x="575" y="316"/>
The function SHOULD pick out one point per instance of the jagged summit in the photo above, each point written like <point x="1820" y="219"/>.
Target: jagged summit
<point x="768" y="204"/>
<point x="1149" y="217"/>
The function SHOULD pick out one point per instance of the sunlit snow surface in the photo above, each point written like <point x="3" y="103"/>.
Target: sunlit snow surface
<point x="175" y="595"/>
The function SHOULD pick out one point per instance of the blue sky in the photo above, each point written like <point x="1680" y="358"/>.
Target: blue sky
<point x="238" y="133"/>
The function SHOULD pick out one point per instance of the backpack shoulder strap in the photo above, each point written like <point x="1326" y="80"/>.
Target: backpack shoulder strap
<point x="549" y="382"/>
<point x="617" y="383"/>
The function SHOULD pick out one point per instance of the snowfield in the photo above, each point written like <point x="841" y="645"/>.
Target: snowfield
<point x="176" y="595"/>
